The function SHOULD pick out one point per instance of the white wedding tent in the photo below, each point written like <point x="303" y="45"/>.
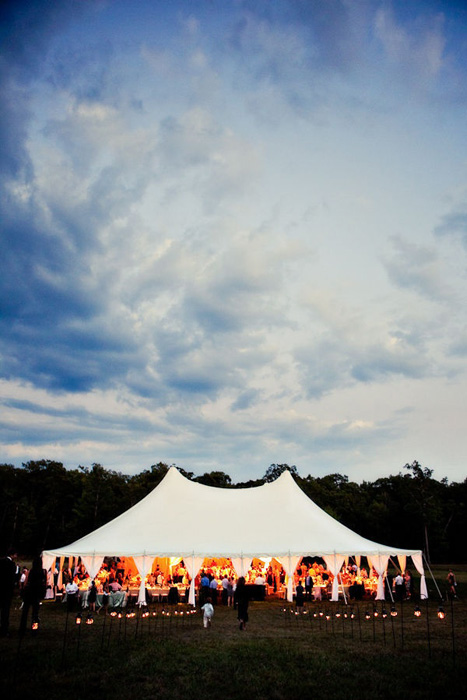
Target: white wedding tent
<point x="181" y="518"/>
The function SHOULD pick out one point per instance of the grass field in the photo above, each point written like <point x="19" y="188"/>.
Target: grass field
<point x="280" y="655"/>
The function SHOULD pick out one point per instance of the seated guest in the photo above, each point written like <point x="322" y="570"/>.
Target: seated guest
<point x="115" y="586"/>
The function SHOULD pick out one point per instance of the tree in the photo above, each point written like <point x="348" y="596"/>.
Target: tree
<point x="275" y="470"/>
<point x="219" y="479"/>
<point x="423" y="495"/>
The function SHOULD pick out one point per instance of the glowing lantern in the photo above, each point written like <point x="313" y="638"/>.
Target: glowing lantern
<point x="417" y="612"/>
<point x="78" y="619"/>
<point x="441" y="613"/>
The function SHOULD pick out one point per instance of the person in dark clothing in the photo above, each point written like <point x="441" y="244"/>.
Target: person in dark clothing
<point x="33" y="593"/>
<point x="299" y="597"/>
<point x="241" y="601"/>
<point x="8" y="579"/>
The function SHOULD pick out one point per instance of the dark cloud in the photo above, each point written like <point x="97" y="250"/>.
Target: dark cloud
<point x="455" y="225"/>
<point x="418" y="268"/>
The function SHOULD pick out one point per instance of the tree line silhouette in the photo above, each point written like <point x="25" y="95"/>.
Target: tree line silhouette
<point x="43" y="505"/>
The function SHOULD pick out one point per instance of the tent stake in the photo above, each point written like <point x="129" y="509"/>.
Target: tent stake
<point x="453" y="635"/>
<point x="428" y="630"/>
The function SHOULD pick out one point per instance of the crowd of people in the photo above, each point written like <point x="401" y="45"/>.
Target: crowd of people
<point x="216" y="583"/>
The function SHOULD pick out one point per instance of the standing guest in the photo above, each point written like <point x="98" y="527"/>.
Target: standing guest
<point x="22" y="579"/>
<point x="241" y="600"/>
<point x="230" y="592"/>
<point x="8" y="577"/>
<point x="71" y="590"/>
<point x="34" y="592"/>
<point x="92" y="596"/>
<point x="408" y="584"/>
<point x="204" y="585"/>
<point x="399" y="586"/>
<point x="452" y="583"/>
<point x="225" y="590"/>
<point x="208" y="612"/>
<point x="308" y="585"/>
<point x="299" y="591"/>
<point x="213" y="590"/>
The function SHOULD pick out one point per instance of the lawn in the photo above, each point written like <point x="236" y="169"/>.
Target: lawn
<point x="280" y="655"/>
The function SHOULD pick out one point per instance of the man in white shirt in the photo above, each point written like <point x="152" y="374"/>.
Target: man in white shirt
<point x="71" y="590"/>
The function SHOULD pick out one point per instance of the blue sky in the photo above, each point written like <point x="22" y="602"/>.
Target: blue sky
<point x="234" y="234"/>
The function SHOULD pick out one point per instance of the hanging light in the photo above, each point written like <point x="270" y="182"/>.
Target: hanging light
<point x="393" y="611"/>
<point x="417" y="612"/>
<point x="441" y="613"/>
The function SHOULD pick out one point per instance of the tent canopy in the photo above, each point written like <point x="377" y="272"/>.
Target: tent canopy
<point x="186" y="519"/>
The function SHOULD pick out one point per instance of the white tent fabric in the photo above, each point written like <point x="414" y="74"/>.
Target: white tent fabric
<point x="334" y="564"/>
<point x="276" y="519"/>
<point x="289" y="565"/>
<point x="92" y="564"/>
<point x="418" y="563"/>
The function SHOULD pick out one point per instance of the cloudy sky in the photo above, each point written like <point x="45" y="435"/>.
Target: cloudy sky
<point x="234" y="233"/>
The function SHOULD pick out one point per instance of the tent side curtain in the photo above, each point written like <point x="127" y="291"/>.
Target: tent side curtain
<point x="418" y="563"/>
<point x="379" y="562"/>
<point x="289" y="565"/>
<point x="334" y="564"/>
<point x="144" y="566"/>
<point x="193" y="565"/>
<point x="241" y="565"/>
<point x="93" y="564"/>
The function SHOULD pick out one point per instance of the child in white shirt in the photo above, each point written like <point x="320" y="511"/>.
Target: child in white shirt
<point x="208" y="612"/>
